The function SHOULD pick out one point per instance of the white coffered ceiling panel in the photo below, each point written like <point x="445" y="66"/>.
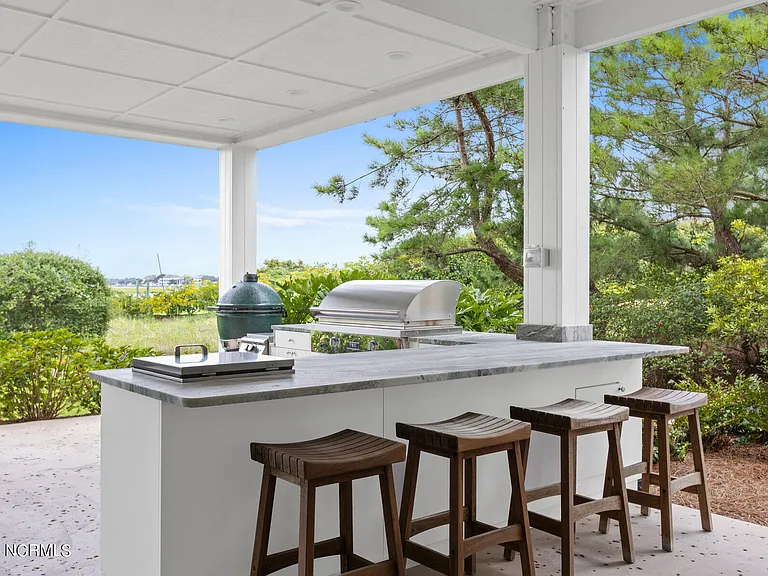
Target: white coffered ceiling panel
<point x="47" y="7"/>
<point x="352" y="51"/>
<point x="16" y="27"/>
<point x="263" y="72"/>
<point x="223" y="27"/>
<point x="204" y="109"/>
<point x="178" y="127"/>
<point x="107" y="52"/>
<point x="53" y="108"/>
<point x="421" y="25"/>
<point x="66" y="85"/>
<point x="266" y="85"/>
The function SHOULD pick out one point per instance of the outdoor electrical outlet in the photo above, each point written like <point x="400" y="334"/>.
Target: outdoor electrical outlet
<point x="536" y="257"/>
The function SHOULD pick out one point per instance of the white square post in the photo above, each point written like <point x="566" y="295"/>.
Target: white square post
<point x="557" y="192"/>
<point x="237" y="214"/>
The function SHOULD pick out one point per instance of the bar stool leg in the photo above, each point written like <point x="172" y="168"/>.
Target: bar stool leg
<point x="567" y="490"/>
<point x="665" y="485"/>
<point x="263" y="522"/>
<point x="607" y="491"/>
<point x="620" y="489"/>
<point x="307" y="529"/>
<point x="389" y="505"/>
<point x="456" y="516"/>
<point x="519" y="508"/>
<point x="345" y="524"/>
<point x="694" y="429"/>
<point x="645" y="485"/>
<point x="470" y="500"/>
<point x="409" y="491"/>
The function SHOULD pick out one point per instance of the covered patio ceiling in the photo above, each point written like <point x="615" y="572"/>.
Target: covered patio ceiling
<point x="211" y="73"/>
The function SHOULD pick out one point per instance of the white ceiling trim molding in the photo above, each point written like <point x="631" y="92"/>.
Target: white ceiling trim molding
<point x="614" y="21"/>
<point x="106" y="127"/>
<point x="514" y="22"/>
<point x="443" y="84"/>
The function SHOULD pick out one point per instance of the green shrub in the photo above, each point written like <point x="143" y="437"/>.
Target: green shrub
<point x="127" y="305"/>
<point x="734" y="409"/>
<point x="660" y="308"/>
<point x="738" y="305"/>
<point x="489" y="311"/>
<point x="45" y="374"/>
<point x="50" y="291"/>
<point x="189" y="299"/>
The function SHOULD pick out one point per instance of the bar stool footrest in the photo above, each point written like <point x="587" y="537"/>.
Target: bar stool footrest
<point x="426" y="556"/>
<point x="588" y="506"/>
<point x="279" y="560"/>
<point x="378" y="569"/>
<point x="432" y="521"/>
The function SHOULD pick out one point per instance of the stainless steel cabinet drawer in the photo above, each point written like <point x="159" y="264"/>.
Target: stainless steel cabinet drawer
<point x="296" y="340"/>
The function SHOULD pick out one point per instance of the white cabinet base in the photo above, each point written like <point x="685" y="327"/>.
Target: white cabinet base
<point x="180" y="492"/>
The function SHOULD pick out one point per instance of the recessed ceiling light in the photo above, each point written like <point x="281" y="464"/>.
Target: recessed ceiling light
<point x="399" y="55"/>
<point x="347" y="6"/>
<point x="297" y="92"/>
<point x="224" y="119"/>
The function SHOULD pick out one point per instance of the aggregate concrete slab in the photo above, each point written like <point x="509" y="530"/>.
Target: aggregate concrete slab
<point x="49" y="494"/>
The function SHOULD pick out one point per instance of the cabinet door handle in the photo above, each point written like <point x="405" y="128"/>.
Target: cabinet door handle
<point x="622" y="389"/>
<point x="291" y="340"/>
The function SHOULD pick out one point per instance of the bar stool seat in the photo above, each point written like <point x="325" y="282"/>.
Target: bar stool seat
<point x="348" y="451"/>
<point x="568" y="420"/>
<point x="570" y="414"/>
<point x="462" y="439"/>
<point x="659" y="401"/>
<point x="469" y="431"/>
<point x="336" y="459"/>
<point x="661" y="406"/>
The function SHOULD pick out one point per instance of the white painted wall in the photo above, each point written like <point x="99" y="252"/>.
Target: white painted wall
<point x="557" y="184"/>
<point x="237" y="214"/>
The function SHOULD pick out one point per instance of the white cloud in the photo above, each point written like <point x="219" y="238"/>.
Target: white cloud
<point x="268" y="215"/>
<point x="180" y="215"/>
<point x="281" y="217"/>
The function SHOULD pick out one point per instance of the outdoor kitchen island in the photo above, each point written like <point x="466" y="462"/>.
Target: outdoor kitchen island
<point x="179" y="492"/>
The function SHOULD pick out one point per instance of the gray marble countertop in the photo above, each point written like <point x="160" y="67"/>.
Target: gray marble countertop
<point x="486" y="355"/>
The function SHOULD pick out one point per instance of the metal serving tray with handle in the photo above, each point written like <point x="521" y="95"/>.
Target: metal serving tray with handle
<point x="204" y="366"/>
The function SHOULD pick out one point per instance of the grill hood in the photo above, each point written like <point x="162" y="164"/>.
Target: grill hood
<point x="391" y="303"/>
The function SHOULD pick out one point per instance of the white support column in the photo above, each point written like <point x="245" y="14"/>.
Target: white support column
<point x="557" y="189"/>
<point x="237" y="214"/>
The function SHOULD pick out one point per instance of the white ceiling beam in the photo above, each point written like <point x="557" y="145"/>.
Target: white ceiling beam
<point x="512" y="22"/>
<point x="613" y="21"/>
<point x="64" y="121"/>
<point x="445" y="84"/>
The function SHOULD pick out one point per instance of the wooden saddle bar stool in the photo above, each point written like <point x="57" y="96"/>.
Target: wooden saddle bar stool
<point x="336" y="459"/>
<point x="570" y="419"/>
<point x="462" y="439"/>
<point x="661" y="406"/>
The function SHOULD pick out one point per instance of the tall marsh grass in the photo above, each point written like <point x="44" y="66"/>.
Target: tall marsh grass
<point x="164" y="334"/>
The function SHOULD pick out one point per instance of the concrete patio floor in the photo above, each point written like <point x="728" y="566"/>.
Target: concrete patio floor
<point x="49" y="493"/>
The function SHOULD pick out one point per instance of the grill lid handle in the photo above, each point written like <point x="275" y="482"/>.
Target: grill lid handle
<point x="177" y="351"/>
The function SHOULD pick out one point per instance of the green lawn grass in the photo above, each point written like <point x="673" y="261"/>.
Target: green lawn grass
<point x="163" y="334"/>
<point x="142" y="290"/>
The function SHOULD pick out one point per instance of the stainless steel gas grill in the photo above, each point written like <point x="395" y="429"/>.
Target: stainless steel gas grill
<point x="372" y="315"/>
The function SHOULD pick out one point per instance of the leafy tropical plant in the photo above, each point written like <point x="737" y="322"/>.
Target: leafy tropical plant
<point x="490" y="310"/>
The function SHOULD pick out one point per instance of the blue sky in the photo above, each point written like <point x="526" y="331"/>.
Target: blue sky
<point x="115" y="202"/>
